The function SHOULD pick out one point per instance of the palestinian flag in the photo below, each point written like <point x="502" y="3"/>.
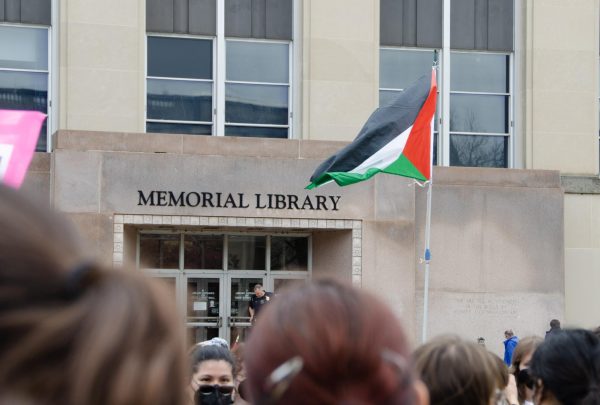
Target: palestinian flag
<point x="396" y="139"/>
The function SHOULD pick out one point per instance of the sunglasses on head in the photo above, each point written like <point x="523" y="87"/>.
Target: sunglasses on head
<point x="525" y="378"/>
<point x="209" y="389"/>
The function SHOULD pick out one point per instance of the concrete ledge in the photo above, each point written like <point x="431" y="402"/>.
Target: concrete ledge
<point x="581" y="184"/>
<point x="478" y="176"/>
<point x="282" y="149"/>
<point x="238" y="146"/>
<point x="40" y="162"/>
<point x="194" y="144"/>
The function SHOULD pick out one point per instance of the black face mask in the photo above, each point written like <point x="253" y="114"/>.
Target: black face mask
<point x="214" y="395"/>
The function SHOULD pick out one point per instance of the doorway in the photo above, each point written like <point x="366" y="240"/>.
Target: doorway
<point x="212" y="276"/>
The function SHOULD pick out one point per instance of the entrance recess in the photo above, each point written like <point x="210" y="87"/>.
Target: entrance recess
<point x="212" y="276"/>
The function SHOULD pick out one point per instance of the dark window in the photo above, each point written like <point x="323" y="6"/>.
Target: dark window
<point x="179" y="93"/>
<point x="24" y="72"/>
<point x="257" y="89"/>
<point x="159" y="251"/>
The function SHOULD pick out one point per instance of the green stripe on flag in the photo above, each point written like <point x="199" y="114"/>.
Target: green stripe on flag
<point x="404" y="167"/>
<point x="400" y="167"/>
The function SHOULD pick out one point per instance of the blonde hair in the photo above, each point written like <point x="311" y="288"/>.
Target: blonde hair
<point x="73" y="331"/>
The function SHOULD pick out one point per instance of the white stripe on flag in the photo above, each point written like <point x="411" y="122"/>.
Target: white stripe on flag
<point x="386" y="155"/>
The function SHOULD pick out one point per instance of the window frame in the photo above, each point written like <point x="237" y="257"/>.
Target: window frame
<point x="289" y="85"/>
<point x="214" y="85"/>
<point x="510" y="112"/>
<point x="49" y="78"/>
<point x="219" y="43"/>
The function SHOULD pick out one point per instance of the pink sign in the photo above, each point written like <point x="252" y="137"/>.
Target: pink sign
<point x="19" y="131"/>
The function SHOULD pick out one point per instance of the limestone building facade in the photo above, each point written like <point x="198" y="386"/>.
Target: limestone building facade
<point x="181" y="134"/>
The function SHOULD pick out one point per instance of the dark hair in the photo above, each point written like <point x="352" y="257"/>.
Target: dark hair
<point x="456" y="371"/>
<point x="569" y="367"/>
<point x="210" y="352"/>
<point x="555" y="323"/>
<point x="337" y="332"/>
<point x="73" y="331"/>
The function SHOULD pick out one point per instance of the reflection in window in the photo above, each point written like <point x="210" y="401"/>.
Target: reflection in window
<point x="159" y="251"/>
<point x="257" y="88"/>
<point x="24" y="72"/>
<point x="203" y="252"/>
<point x="246" y="252"/>
<point x="479" y="109"/>
<point x="180" y="85"/>
<point x="289" y="253"/>
<point x="478" y="150"/>
<point x="479" y="113"/>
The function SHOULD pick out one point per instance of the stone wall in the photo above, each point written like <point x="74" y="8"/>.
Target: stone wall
<point x="497" y="235"/>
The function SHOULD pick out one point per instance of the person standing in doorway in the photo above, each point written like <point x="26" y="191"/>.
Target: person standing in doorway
<point x="509" y="345"/>
<point x="258" y="300"/>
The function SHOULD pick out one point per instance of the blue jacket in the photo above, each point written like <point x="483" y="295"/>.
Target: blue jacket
<point x="509" y="347"/>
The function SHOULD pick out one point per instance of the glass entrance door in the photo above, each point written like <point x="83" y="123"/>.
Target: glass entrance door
<point x="217" y="306"/>
<point x="204" y="307"/>
<point x="241" y="288"/>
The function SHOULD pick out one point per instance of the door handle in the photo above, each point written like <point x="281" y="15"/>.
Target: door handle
<point x="219" y="322"/>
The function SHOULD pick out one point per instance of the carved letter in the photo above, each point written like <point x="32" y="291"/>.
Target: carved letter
<point x="321" y="201"/>
<point x="280" y="201"/>
<point x="207" y="199"/>
<point x="188" y="199"/>
<point x="334" y="199"/>
<point x="241" y="201"/>
<point x="145" y="200"/>
<point x="176" y="201"/>
<point x="162" y="198"/>
<point x="308" y="202"/>
<point x="293" y="200"/>
<point x="229" y="201"/>
<point x="258" y="204"/>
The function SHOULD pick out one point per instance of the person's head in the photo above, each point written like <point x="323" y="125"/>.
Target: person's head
<point x="555" y="324"/>
<point x="456" y="371"/>
<point x="212" y="374"/>
<point x="481" y="341"/>
<point x="521" y="360"/>
<point x="73" y="331"/>
<point x="596" y="332"/>
<point x="216" y="341"/>
<point x="327" y="342"/>
<point x="567" y="369"/>
<point x="259" y="290"/>
<point x="508" y="333"/>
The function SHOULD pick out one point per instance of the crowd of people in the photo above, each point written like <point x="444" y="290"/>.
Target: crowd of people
<point x="73" y="331"/>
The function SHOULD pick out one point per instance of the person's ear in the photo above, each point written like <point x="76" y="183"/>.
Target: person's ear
<point x="422" y="394"/>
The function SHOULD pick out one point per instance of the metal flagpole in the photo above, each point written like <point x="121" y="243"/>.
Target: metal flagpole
<point x="427" y="255"/>
<point x="427" y="260"/>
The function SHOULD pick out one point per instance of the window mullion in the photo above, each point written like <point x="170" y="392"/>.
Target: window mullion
<point x="444" y="133"/>
<point x="219" y="93"/>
